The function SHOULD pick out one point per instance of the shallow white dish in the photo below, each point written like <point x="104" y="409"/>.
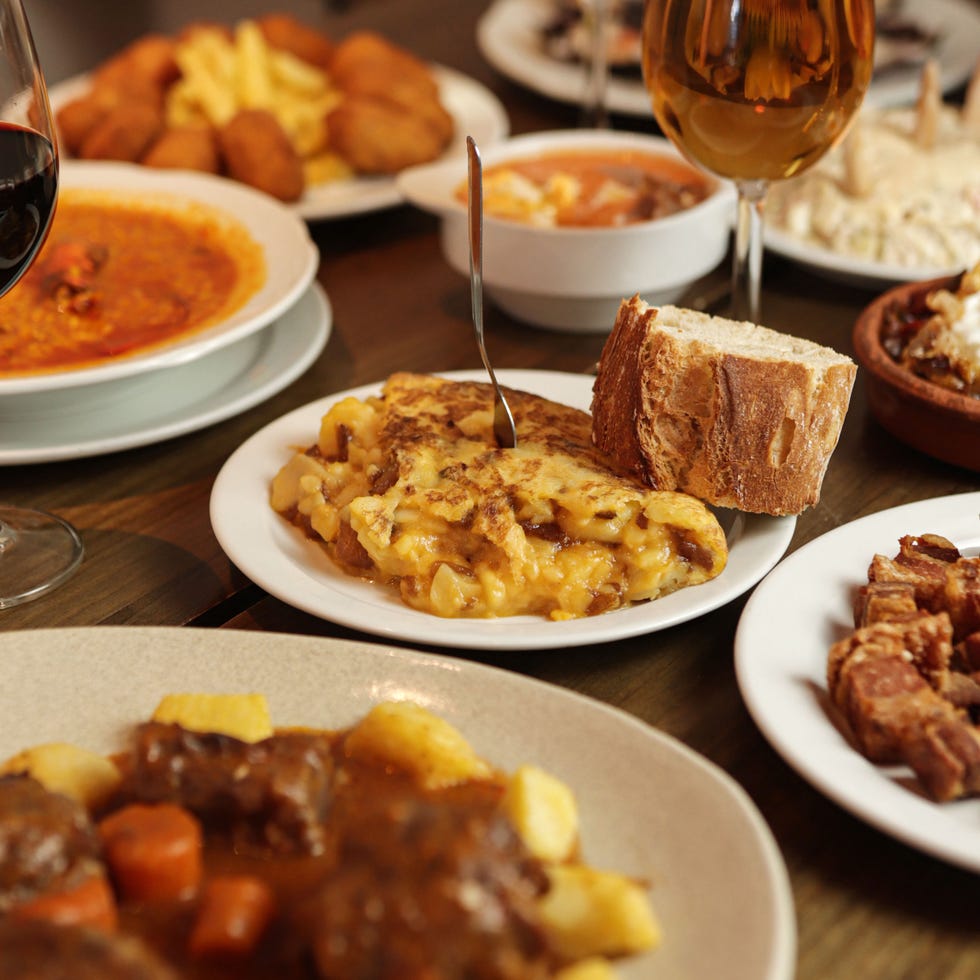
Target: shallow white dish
<point x="148" y="408"/>
<point x="475" y="110"/>
<point x="808" y="597"/>
<point x="297" y="570"/>
<point x="508" y="37"/>
<point x="848" y="269"/>
<point x="574" y="278"/>
<point x="290" y="255"/>
<point x="649" y="805"/>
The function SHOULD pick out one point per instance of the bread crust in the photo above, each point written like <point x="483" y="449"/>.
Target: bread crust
<point x="733" y="413"/>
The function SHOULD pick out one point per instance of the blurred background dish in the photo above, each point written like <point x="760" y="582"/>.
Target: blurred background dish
<point x="290" y="258"/>
<point x="574" y="277"/>
<point x="933" y="419"/>
<point x="472" y="108"/>
<point x="510" y="38"/>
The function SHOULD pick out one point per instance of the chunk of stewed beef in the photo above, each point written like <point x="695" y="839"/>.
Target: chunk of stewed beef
<point x="41" y="950"/>
<point x="275" y="792"/>
<point x="47" y="841"/>
<point x="428" y="885"/>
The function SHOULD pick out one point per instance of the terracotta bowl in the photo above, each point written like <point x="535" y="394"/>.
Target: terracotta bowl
<point x="941" y="423"/>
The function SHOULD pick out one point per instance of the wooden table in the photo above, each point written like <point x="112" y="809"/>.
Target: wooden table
<point x="867" y="906"/>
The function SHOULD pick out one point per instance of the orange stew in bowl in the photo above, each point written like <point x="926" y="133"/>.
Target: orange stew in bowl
<point x="591" y="188"/>
<point x="118" y="277"/>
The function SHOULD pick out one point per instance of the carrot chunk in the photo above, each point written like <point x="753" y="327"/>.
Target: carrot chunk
<point x="90" y="903"/>
<point x="153" y="851"/>
<point x="233" y="914"/>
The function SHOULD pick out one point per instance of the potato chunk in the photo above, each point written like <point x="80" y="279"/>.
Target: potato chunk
<point x="411" y="738"/>
<point x="594" y="968"/>
<point x="243" y="716"/>
<point x="588" y="912"/>
<point x="69" y="769"/>
<point x="543" y="811"/>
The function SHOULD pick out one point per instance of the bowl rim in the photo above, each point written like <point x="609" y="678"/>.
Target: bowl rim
<point x="721" y="192"/>
<point x="870" y="353"/>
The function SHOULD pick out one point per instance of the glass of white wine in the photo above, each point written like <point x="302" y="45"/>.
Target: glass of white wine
<point x="756" y="91"/>
<point x="38" y="550"/>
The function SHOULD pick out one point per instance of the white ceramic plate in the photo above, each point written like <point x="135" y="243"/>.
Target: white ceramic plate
<point x="476" y="111"/>
<point x="508" y="37"/>
<point x="807" y="598"/>
<point x="649" y="805"/>
<point x="290" y="255"/>
<point x="172" y="401"/>
<point x="295" y="569"/>
<point x="848" y="269"/>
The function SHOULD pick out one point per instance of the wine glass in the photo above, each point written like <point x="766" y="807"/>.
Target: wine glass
<point x="37" y="550"/>
<point x="756" y="91"/>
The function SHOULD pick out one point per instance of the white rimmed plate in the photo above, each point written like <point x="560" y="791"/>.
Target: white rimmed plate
<point x="148" y="408"/>
<point x="848" y="269"/>
<point x="509" y="34"/>
<point x="808" y="597"/>
<point x="476" y="111"/>
<point x="290" y="255"/>
<point x="649" y="805"/>
<point x="295" y="569"/>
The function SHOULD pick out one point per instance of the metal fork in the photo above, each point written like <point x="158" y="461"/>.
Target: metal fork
<point x="504" y="429"/>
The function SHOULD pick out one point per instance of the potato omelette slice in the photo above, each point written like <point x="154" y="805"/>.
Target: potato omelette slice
<point x="410" y="489"/>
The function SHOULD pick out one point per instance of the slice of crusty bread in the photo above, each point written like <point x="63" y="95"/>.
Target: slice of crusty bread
<point x="734" y="413"/>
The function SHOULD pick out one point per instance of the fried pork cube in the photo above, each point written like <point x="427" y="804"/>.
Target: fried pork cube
<point x="874" y="681"/>
<point x="257" y="151"/>
<point x="945" y="755"/>
<point x="275" y="791"/>
<point x="125" y="133"/>
<point x="884" y="602"/>
<point x="189" y="147"/>
<point x="922" y="561"/>
<point x="962" y="596"/>
<point x="285" y="32"/>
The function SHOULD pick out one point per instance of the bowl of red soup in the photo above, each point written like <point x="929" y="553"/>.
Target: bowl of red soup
<point x="577" y="220"/>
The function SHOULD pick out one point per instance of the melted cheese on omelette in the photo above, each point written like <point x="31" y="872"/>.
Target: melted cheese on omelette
<point x="411" y="489"/>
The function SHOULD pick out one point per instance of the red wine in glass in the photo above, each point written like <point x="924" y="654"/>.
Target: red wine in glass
<point x="38" y="550"/>
<point x="28" y="190"/>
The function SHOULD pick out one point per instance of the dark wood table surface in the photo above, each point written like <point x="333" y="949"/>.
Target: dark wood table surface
<point x="867" y="906"/>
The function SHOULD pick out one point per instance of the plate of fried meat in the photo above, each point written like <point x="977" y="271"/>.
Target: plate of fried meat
<point x="858" y="658"/>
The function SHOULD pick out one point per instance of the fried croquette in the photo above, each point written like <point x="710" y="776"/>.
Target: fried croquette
<point x="257" y="151"/>
<point x="148" y="59"/>
<point x="365" y="51"/>
<point x="377" y="137"/>
<point x="285" y="32"/>
<point x="123" y="133"/>
<point x="188" y="147"/>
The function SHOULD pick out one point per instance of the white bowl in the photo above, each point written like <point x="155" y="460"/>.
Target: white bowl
<point x="574" y="278"/>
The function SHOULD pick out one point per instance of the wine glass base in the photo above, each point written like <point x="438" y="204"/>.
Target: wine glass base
<point x="38" y="551"/>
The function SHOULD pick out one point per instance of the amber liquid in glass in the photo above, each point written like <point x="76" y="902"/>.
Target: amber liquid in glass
<point x="757" y="89"/>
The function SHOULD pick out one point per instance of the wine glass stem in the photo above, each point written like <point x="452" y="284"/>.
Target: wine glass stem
<point x="747" y="263"/>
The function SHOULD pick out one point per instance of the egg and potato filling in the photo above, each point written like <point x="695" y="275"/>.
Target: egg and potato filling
<point x="411" y="489"/>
